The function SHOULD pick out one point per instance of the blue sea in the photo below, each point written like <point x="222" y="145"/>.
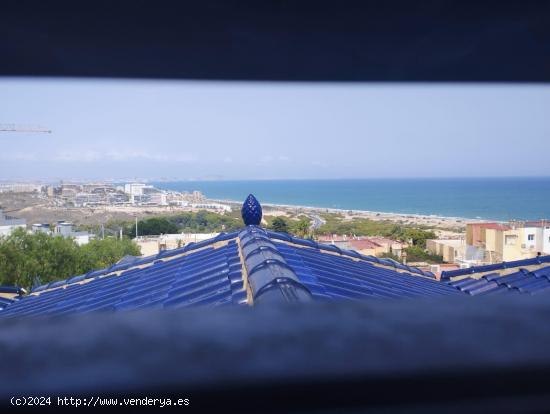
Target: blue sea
<point x="484" y="198"/>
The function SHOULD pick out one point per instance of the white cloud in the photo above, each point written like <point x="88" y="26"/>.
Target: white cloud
<point x="18" y="156"/>
<point x="76" y="156"/>
<point x="145" y="155"/>
<point x="268" y="159"/>
<point x="89" y="156"/>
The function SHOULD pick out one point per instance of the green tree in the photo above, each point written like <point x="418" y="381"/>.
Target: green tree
<point x="151" y="226"/>
<point x="418" y="254"/>
<point x="417" y="236"/>
<point x="102" y="253"/>
<point x="25" y="257"/>
<point x="302" y="227"/>
<point x="199" y="222"/>
<point x="279" y="224"/>
<point x="157" y="225"/>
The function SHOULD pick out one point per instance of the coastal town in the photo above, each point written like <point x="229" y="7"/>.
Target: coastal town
<point x="275" y="207"/>
<point x="86" y="211"/>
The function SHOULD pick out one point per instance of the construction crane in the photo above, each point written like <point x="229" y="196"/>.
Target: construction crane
<point x="23" y="128"/>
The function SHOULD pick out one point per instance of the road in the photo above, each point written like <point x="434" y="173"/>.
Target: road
<point x="316" y="221"/>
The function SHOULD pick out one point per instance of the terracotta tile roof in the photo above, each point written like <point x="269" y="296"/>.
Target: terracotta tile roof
<point x="363" y="244"/>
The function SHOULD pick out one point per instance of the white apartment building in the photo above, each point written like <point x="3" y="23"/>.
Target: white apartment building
<point x="135" y="189"/>
<point x="20" y="188"/>
<point x="158" y="198"/>
<point x="536" y="237"/>
<point x="86" y="199"/>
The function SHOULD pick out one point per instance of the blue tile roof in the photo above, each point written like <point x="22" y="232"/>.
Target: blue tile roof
<point x="523" y="281"/>
<point x="7" y="295"/>
<point x="349" y="253"/>
<point x="447" y="275"/>
<point x="5" y="302"/>
<point x="203" y="274"/>
<point x="334" y="276"/>
<point x="251" y="266"/>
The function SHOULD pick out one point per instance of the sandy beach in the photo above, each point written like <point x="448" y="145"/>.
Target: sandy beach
<point x="453" y="224"/>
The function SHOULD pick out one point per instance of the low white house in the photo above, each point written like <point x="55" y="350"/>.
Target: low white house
<point x="41" y="228"/>
<point x="212" y="206"/>
<point x="66" y="229"/>
<point x="150" y="245"/>
<point x="9" y="224"/>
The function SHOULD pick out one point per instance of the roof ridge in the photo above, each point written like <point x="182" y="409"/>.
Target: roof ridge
<point x="270" y="277"/>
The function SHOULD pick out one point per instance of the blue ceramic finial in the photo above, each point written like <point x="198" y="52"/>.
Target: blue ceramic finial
<point x="251" y="211"/>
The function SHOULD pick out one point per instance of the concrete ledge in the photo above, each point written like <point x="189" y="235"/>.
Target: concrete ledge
<point x="383" y="353"/>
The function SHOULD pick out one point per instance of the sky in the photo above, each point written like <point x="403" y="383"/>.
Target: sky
<point x="192" y="130"/>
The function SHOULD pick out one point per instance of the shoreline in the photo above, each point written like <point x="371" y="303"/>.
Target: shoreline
<point x="464" y="199"/>
<point x="446" y="222"/>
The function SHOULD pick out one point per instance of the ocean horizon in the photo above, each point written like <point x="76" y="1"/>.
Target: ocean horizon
<point x="502" y="199"/>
